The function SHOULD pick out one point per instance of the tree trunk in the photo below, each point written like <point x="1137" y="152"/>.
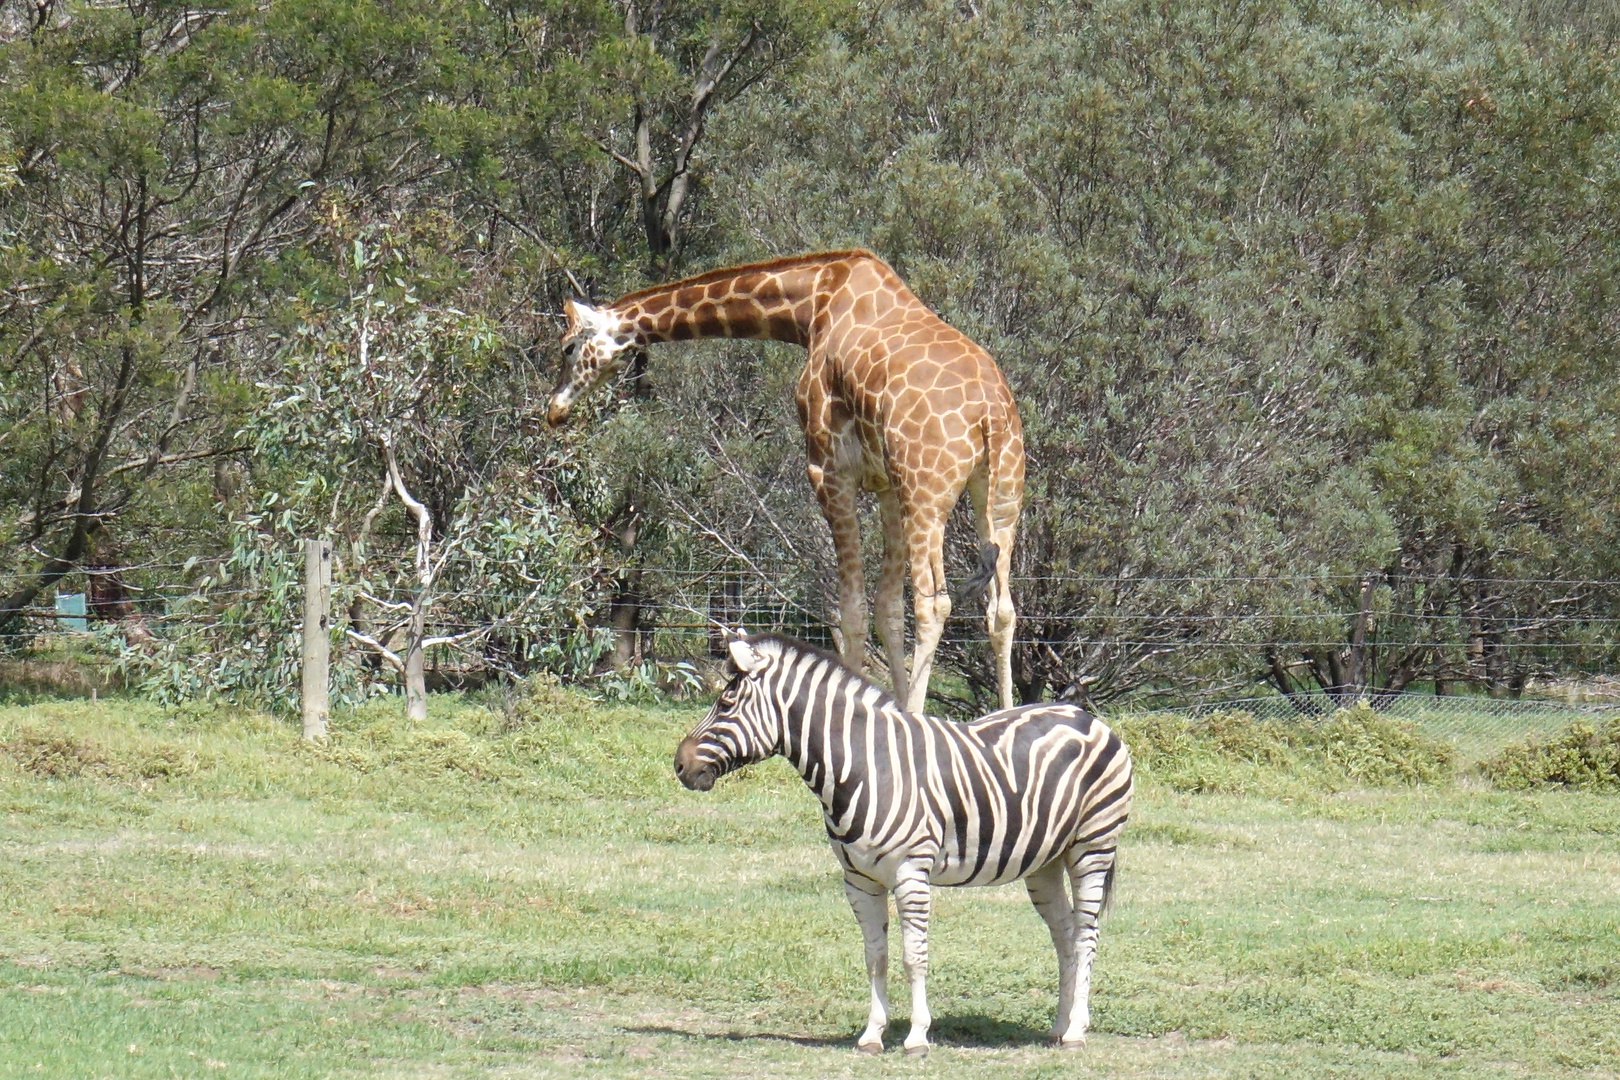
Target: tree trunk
<point x="415" y="676"/>
<point x="624" y="613"/>
<point x="1027" y="677"/>
<point x="415" y="672"/>
<point x="625" y="618"/>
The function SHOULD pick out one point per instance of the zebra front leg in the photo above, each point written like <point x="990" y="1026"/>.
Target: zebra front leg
<point x="1049" y="892"/>
<point x="1088" y="873"/>
<point x="912" y="900"/>
<point x="872" y="912"/>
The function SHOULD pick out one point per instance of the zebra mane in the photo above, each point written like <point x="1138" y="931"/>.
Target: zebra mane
<point x="783" y="643"/>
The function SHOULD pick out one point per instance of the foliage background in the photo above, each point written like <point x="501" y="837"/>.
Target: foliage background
<point x="1309" y="307"/>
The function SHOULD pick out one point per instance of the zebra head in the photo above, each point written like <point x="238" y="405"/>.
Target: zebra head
<point x="743" y="727"/>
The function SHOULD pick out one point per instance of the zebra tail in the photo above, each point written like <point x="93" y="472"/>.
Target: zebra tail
<point x="1108" y="888"/>
<point x="974" y="586"/>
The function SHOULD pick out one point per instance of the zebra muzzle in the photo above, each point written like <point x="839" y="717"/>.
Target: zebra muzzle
<point x="693" y="774"/>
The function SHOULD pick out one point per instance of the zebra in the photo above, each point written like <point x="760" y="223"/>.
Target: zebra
<point x="1038" y="792"/>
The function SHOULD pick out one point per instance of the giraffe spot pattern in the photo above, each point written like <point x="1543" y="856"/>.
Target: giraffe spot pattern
<point x="891" y="398"/>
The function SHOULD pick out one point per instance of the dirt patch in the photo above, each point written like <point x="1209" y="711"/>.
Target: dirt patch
<point x="186" y="973"/>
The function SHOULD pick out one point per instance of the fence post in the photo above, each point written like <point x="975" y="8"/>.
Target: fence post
<point x="317" y="645"/>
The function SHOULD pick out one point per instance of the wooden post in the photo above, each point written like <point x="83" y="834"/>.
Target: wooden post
<point x="317" y="643"/>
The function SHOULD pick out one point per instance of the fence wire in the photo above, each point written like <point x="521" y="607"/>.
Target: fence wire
<point x="1476" y="726"/>
<point x="682" y="607"/>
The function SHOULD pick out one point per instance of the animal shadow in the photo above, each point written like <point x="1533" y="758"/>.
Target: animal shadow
<point x="976" y="1029"/>
<point x="972" y="1029"/>
<point x="740" y="1036"/>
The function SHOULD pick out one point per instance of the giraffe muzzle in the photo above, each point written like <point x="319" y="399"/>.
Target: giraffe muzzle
<point x="557" y="413"/>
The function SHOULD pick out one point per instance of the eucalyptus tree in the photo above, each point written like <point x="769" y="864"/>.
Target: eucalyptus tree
<point x="161" y="162"/>
<point x="1307" y="306"/>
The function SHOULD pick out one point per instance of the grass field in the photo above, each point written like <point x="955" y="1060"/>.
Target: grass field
<point x="193" y="893"/>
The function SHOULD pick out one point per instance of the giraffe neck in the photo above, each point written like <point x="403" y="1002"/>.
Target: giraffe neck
<point x="777" y="304"/>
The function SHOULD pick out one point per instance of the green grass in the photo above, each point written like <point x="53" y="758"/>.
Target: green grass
<point x="193" y="893"/>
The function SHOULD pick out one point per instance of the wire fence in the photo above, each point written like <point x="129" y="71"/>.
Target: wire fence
<point x="681" y="608"/>
<point x="1476" y="726"/>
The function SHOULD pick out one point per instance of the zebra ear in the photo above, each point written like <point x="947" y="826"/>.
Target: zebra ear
<point x="745" y="656"/>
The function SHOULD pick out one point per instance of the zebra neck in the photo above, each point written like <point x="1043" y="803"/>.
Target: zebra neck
<point x="827" y="715"/>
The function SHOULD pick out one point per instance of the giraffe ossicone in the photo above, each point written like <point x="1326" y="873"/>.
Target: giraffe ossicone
<point x="892" y="399"/>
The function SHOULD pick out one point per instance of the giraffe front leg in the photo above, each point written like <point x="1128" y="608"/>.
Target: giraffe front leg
<point x="836" y="494"/>
<point x="872" y="912"/>
<point x="1088" y="873"/>
<point x="912" y="900"/>
<point x="891" y="591"/>
<point x="931" y="598"/>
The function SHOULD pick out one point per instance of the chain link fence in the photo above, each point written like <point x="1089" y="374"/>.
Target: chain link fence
<point x="1476" y="726"/>
<point x="682" y="610"/>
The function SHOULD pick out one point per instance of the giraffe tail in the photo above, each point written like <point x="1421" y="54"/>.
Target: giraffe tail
<point x="974" y="586"/>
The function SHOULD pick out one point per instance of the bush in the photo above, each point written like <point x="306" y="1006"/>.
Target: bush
<point x="1583" y="756"/>
<point x="1234" y="752"/>
<point x="60" y="756"/>
<point x="1374" y="749"/>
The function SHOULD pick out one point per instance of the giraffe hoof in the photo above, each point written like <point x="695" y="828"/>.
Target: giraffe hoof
<point x="1072" y="1044"/>
<point x="874" y="1049"/>
<point x="917" y="1051"/>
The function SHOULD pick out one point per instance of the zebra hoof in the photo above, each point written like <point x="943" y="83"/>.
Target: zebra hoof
<point x="917" y="1051"/>
<point x="873" y="1049"/>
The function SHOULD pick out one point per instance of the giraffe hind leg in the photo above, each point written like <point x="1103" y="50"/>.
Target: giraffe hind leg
<point x="996" y="529"/>
<point x="930" y="599"/>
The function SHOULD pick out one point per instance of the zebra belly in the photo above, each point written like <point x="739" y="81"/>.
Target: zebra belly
<point x="886" y="865"/>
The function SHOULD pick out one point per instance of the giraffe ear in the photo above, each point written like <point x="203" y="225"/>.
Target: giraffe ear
<point x="747" y="658"/>
<point x="571" y="312"/>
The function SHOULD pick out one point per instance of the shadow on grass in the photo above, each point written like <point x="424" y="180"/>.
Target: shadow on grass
<point x="739" y="1036"/>
<point x="969" y="1030"/>
<point x="974" y="1029"/>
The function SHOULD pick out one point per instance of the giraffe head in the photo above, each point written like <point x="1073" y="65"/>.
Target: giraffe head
<point x="593" y="350"/>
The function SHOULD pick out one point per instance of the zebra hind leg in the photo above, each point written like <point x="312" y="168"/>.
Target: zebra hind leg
<point x="1090" y="874"/>
<point x="1050" y="895"/>
<point x="872" y="912"/>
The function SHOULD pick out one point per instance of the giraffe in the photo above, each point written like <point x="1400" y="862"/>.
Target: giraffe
<point x="892" y="399"/>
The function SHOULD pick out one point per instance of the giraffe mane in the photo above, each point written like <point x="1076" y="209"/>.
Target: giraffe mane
<point x="786" y="262"/>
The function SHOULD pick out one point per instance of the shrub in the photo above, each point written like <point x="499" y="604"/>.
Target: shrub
<point x="61" y="756"/>
<point x="1374" y="749"/>
<point x="1161" y="738"/>
<point x="1232" y="751"/>
<point x="1582" y="756"/>
<point x="1227" y="751"/>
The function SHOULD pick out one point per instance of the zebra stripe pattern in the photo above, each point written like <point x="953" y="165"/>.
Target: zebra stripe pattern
<point x="1038" y="793"/>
